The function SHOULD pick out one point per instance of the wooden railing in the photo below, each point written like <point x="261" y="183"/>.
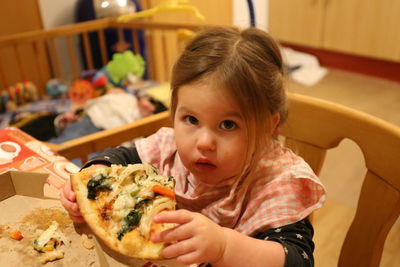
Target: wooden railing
<point x="45" y="54"/>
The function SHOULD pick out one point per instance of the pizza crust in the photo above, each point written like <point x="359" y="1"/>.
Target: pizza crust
<point x="132" y="244"/>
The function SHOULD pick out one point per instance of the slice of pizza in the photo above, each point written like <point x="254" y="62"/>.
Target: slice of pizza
<point x="119" y="203"/>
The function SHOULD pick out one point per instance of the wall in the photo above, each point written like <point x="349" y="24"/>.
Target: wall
<point x="57" y="13"/>
<point x="241" y="16"/>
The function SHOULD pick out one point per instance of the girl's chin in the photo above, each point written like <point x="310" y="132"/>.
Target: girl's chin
<point x="207" y="181"/>
<point x="211" y="180"/>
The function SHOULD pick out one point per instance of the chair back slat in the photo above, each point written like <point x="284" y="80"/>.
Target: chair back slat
<point x="326" y="124"/>
<point x="378" y="208"/>
<point x="313" y="155"/>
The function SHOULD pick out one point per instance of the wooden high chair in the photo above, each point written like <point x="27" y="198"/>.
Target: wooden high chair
<point x="313" y="127"/>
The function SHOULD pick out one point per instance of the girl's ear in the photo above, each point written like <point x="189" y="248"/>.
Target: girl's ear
<point x="275" y="119"/>
<point x="274" y="122"/>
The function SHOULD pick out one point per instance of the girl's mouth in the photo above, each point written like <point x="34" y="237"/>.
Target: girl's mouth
<point x="205" y="165"/>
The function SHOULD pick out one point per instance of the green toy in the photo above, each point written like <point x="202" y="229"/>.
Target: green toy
<point x="123" y="63"/>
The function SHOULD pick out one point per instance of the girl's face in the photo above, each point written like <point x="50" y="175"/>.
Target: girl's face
<point x="210" y="132"/>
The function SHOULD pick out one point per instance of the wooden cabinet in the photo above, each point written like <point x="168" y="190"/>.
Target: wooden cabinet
<point x="16" y="17"/>
<point x="362" y="27"/>
<point x="296" y="21"/>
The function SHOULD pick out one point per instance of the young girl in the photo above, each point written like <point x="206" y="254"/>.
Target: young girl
<point x="243" y="199"/>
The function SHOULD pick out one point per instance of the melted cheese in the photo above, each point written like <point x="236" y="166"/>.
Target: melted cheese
<point x="48" y="243"/>
<point x="131" y="185"/>
<point x="122" y="205"/>
<point x="159" y="204"/>
<point x="45" y="236"/>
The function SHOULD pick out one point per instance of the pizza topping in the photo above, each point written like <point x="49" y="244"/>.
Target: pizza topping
<point x="163" y="191"/>
<point x="133" y="218"/>
<point x="141" y="203"/>
<point x="50" y="239"/>
<point x="161" y="203"/>
<point x="129" y="222"/>
<point x="45" y="237"/>
<point x="96" y="183"/>
<point x="106" y="211"/>
<point x="49" y="242"/>
<point x="122" y="205"/>
<point x="17" y="235"/>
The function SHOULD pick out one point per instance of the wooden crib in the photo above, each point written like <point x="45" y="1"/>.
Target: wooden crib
<point x="63" y="52"/>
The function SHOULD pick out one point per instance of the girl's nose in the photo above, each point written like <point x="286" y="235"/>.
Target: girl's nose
<point x="206" y="141"/>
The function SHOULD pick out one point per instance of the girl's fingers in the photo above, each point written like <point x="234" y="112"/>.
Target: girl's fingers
<point x="71" y="207"/>
<point x="177" y="216"/>
<point x="177" y="233"/>
<point x="179" y="249"/>
<point x="77" y="219"/>
<point x="68" y="193"/>
<point x="190" y="258"/>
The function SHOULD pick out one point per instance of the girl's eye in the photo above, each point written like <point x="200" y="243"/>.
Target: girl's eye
<point x="191" y="120"/>
<point x="228" y="125"/>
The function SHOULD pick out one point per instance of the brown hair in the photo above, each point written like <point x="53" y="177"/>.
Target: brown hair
<point x="248" y="63"/>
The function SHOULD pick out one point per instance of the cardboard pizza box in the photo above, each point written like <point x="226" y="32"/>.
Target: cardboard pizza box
<point x="21" y="152"/>
<point x="28" y="204"/>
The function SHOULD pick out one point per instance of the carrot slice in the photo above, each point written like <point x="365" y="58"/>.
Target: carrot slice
<point x="17" y="235"/>
<point x="163" y="191"/>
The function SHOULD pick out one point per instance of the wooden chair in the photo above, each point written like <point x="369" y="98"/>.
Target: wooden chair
<point x="313" y="127"/>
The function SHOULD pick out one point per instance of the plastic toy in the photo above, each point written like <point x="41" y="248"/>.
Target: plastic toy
<point x="56" y="88"/>
<point x="17" y="95"/>
<point x="98" y="81"/>
<point x="165" y="6"/>
<point x="184" y="34"/>
<point x="114" y="74"/>
<point x="121" y="64"/>
<point x="80" y="91"/>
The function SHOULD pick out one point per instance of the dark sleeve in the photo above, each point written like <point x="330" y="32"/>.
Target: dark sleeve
<point x="297" y="242"/>
<point x="120" y="155"/>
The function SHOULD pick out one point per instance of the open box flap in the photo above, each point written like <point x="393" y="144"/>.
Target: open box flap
<point x="22" y="183"/>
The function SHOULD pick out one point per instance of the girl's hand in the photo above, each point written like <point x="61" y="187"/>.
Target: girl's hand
<point x="198" y="238"/>
<point x="68" y="200"/>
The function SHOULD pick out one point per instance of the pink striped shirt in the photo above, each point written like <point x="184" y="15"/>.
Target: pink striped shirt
<point x="283" y="189"/>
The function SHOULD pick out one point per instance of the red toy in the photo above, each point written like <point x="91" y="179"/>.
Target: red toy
<point x="80" y="91"/>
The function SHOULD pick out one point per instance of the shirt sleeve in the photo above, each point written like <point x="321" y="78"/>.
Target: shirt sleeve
<point x="296" y="240"/>
<point x="120" y="155"/>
